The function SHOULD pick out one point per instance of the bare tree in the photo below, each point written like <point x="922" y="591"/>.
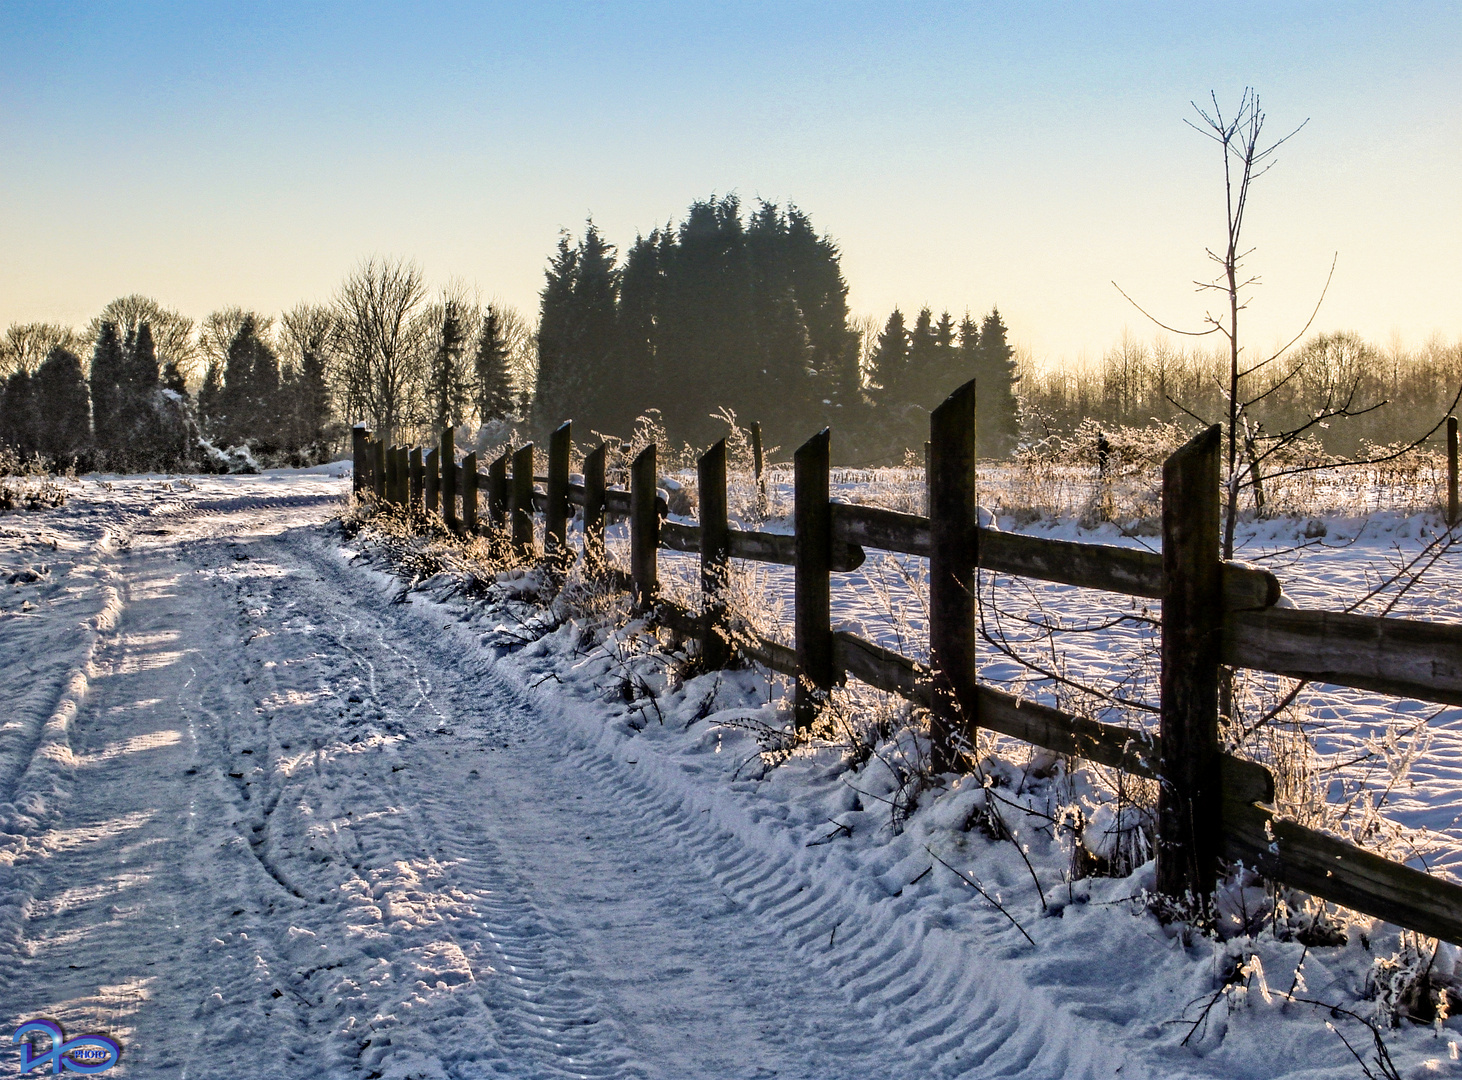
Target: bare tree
<point x="25" y="346"/>
<point x="307" y="328"/>
<point x="379" y="368"/>
<point x="219" y="328"/>
<point x="172" y="333"/>
<point x="1246" y="157"/>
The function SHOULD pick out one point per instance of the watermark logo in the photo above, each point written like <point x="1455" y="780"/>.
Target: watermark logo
<point x="85" y="1054"/>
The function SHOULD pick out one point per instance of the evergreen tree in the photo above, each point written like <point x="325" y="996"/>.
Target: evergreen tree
<point x="782" y="376"/>
<point x="309" y="332"/>
<point x="641" y="301"/>
<point x="62" y="405"/>
<point x="107" y="372"/>
<point x="577" y="335"/>
<point x="707" y="332"/>
<point x="554" y="386"/>
<point x="920" y="388"/>
<point x="492" y="389"/>
<point x="247" y="404"/>
<point x="18" y="414"/>
<point x="815" y="267"/>
<point x="891" y="357"/>
<point x="210" y="398"/>
<point x="997" y="415"/>
<point x="449" y="389"/>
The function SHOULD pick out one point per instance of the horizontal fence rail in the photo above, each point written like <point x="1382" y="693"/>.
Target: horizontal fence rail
<point x="1393" y="656"/>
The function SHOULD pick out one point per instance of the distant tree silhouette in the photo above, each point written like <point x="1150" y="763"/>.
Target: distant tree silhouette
<point x="997" y="414"/>
<point x="448" y="378"/>
<point x="246" y="406"/>
<point x="492" y="385"/>
<point x="577" y="338"/>
<point x="107" y="375"/>
<point x="18" y="414"/>
<point x="62" y="405"/>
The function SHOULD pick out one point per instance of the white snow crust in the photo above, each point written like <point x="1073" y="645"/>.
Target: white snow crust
<point x="266" y="812"/>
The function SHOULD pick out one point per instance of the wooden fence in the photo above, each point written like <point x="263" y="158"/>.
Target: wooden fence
<point x="1212" y="806"/>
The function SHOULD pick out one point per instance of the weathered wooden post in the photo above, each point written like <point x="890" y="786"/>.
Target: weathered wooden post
<point x="497" y="491"/>
<point x="594" y="507"/>
<point x="378" y="470"/>
<point x="468" y="487"/>
<point x="954" y="538"/>
<point x="644" y="529"/>
<point x="556" y="516"/>
<point x="521" y="505"/>
<point x="1190" y="795"/>
<point x="360" y="444"/>
<point x="715" y="555"/>
<point x="812" y="592"/>
<point x="418" y="479"/>
<point x="403" y="477"/>
<point x="1452" y="509"/>
<point x="756" y="465"/>
<point x="449" y="478"/>
<point x="433" y="485"/>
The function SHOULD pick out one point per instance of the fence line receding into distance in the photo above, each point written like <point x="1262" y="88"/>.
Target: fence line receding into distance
<point x="1212" y="806"/>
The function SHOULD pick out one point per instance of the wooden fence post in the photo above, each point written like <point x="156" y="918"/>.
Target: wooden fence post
<point x="403" y="477"/>
<point x="813" y="524"/>
<point x="756" y="464"/>
<point x="418" y="479"/>
<point x="360" y="441"/>
<point x="594" y="507"/>
<point x="1452" y="508"/>
<point x="1190" y="795"/>
<point x="449" y="478"/>
<point x="644" y="528"/>
<point x="954" y="538"/>
<point x="497" y="491"/>
<point x="378" y="470"/>
<point x="521" y="505"/>
<point x="433" y="486"/>
<point x="715" y="555"/>
<point x="468" y="487"/>
<point x="556" y="517"/>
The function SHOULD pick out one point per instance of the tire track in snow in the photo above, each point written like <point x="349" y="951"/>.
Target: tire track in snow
<point x="890" y="970"/>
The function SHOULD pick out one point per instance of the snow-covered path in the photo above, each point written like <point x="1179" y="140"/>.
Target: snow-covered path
<point x="260" y="821"/>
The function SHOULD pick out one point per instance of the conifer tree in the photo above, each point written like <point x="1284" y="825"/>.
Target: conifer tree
<point x="553" y="389"/>
<point x="310" y="332"/>
<point x="492" y="389"/>
<point x="247" y="402"/>
<point x="210" y="395"/>
<point x="708" y="326"/>
<point x="997" y="417"/>
<point x="891" y="358"/>
<point x="18" y="414"/>
<point x="448" y="388"/>
<point x="107" y="370"/>
<point x="641" y="300"/>
<point x="63" y="405"/>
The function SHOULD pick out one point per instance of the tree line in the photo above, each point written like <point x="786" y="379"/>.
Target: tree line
<point x="1396" y="394"/>
<point x="750" y="314"/>
<point x="725" y="311"/>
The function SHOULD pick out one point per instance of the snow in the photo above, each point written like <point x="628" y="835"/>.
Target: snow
<point x="265" y="813"/>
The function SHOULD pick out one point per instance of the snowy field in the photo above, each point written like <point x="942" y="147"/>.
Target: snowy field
<point x="265" y="811"/>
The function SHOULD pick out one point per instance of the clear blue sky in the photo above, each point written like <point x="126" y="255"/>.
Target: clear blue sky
<point x="963" y="155"/>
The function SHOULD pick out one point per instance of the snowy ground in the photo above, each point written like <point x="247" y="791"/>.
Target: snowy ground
<point x="265" y="812"/>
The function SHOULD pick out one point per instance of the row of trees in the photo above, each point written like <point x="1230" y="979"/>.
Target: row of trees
<point x="723" y="311"/>
<point x="1137" y="383"/>
<point x="750" y="315"/>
